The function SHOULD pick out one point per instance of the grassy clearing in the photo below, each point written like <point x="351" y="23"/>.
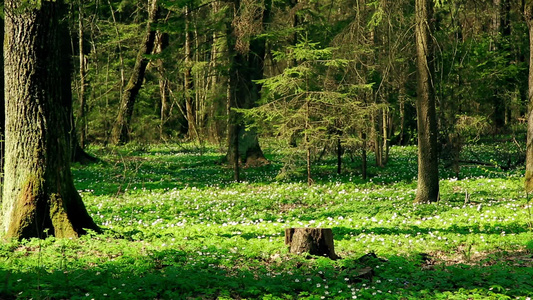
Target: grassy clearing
<point x="177" y="227"/>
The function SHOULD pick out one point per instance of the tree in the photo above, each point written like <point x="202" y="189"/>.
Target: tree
<point x="247" y="52"/>
<point x="311" y="102"/>
<point x="428" y="172"/>
<point x="2" y="111"/>
<point x="188" y="82"/>
<point x="121" y="130"/>
<point x="82" y="117"/>
<point x="39" y="194"/>
<point x="528" y="11"/>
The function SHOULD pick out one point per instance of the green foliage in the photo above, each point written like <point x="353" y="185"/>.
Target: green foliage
<point x="177" y="226"/>
<point x="310" y="103"/>
<point x="483" y="74"/>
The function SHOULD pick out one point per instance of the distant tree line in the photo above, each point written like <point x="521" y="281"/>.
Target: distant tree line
<point x="318" y="75"/>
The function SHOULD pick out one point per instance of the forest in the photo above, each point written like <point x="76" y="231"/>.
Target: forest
<point x="266" y="149"/>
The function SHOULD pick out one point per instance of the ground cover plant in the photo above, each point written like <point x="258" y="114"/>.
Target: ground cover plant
<point x="177" y="227"/>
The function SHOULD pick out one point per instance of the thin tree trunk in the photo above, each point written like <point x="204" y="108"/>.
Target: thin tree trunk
<point x="295" y="23"/>
<point x="120" y="57"/>
<point x="2" y="113"/>
<point x="233" y="139"/>
<point x="500" y="31"/>
<point x="339" y="156"/>
<point x="378" y="138"/>
<point x="496" y="23"/>
<point x="218" y="85"/>
<point x="161" y="42"/>
<point x="82" y="115"/>
<point x="386" y="124"/>
<point x="308" y="145"/>
<point x="163" y="89"/>
<point x="233" y="118"/>
<point x="39" y="194"/>
<point x="384" y="134"/>
<point x="107" y="125"/>
<point x="401" y="140"/>
<point x="188" y="80"/>
<point x="363" y="156"/>
<point x="528" y="12"/>
<point x="121" y="129"/>
<point x="235" y="159"/>
<point x="428" y="171"/>
<point x="200" y="85"/>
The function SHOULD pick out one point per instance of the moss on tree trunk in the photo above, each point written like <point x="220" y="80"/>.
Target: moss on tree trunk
<point x="39" y="194"/>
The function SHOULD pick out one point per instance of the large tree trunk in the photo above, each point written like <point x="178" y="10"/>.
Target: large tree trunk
<point x="528" y="11"/>
<point x="428" y="172"/>
<point x="121" y="129"/>
<point x="245" y="69"/>
<point x="39" y="194"/>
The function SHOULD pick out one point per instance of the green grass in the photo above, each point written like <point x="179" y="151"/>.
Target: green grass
<point x="177" y="227"/>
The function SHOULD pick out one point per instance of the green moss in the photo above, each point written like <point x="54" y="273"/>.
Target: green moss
<point x="58" y="214"/>
<point x="24" y="210"/>
<point x="528" y="182"/>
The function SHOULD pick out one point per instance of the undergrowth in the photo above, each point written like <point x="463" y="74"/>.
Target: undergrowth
<point x="177" y="227"/>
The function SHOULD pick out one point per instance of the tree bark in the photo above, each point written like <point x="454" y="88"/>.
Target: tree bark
<point x="188" y="80"/>
<point x="500" y="30"/>
<point x="387" y="130"/>
<point x="363" y="155"/>
<point x="39" y="194"/>
<point x="121" y="129"/>
<point x="315" y="241"/>
<point x="233" y="118"/>
<point x="161" y="42"/>
<point x="378" y="138"/>
<point x="217" y="114"/>
<point x="339" y="155"/>
<point x="428" y="176"/>
<point x="245" y="69"/>
<point x="307" y="145"/>
<point x="2" y="112"/>
<point x="82" y="115"/>
<point x="528" y="12"/>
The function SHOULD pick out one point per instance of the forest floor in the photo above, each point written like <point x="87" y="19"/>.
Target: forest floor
<point x="177" y="227"/>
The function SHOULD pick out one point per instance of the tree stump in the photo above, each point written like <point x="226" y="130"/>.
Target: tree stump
<point x="315" y="241"/>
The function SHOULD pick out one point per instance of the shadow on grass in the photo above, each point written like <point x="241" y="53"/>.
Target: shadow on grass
<point x="174" y="274"/>
<point x="169" y="172"/>
<point x="348" y="233"/>
<point x="169" y="168"/>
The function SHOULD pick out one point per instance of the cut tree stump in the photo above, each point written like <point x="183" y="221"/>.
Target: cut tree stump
<point x="314" y="241"/>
